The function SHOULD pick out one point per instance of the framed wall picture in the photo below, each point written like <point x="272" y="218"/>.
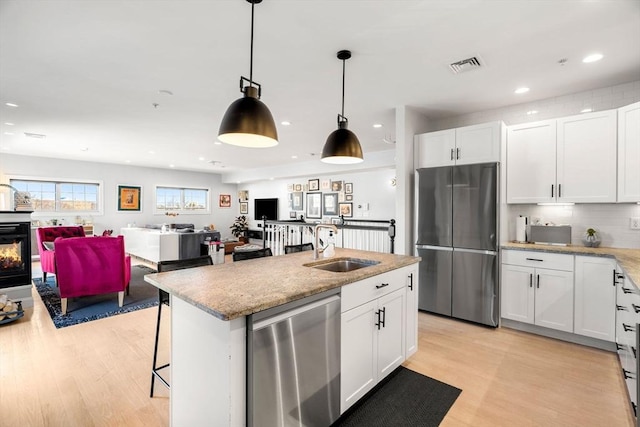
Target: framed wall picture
<point x="348" y="187"/>
<point x="292" y="214"/>
<point x="290" y="188"/>
<point x="336" y="185"/>
<point x="314" y="205"/>
<point x="129" y="198"/>
<point x="243" y="196"/>
<point x="314" y="184"/>
<point x="244" y="208"/>
<point x="349" y="197"/>
<point x="225" y="201"/>
<point x="346" y="209"/>
<point x="297" y="203"/>
<point x="325" y="185"/>
<point x="297" y="187"/>
<point x="330" y="204"/>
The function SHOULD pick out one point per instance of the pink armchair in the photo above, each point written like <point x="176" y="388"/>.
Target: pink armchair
<point x="91" y="266"/>
<point x="49" y="235"/>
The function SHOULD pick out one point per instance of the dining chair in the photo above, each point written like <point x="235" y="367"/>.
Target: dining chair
<point x="290" y="249"/>
<point x="163" y="298"/>
<point x="258" y="253"/>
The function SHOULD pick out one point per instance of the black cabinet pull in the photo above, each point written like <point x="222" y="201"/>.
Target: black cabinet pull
<point x="621" y="308"/>
<point x="628" y="375"/>
<point x="382" y="286"/>
<point x="559" y="190"/>
<point x="531" y="280"/>
<point x="628" y="328"/>
<point x="534" y="259"/>
<point x="615" y="282"/>
<point x="627" y="290"/>
<point x="552" y="190"/>
<point x="619" y="347"/>
<point x="452" y="154"/>
<point x="384" y="315"/>
<point x="457" y="154"/>
<point x="635" y="409"/>
<point x="636" y="308"/>
<point x="378" y="323"/>
<point x="411" y="281"/>
<point x="633" y="350"/>
<point x="538" y="285"/>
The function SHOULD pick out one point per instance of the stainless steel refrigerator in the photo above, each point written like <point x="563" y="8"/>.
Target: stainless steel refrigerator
<point x="457" y="235"/>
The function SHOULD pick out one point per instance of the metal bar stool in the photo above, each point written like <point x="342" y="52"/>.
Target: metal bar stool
<point x="163" y="298"/>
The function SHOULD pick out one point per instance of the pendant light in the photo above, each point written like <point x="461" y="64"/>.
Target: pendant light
<point x="248" y="122"/>
<point x="342" y="146"/>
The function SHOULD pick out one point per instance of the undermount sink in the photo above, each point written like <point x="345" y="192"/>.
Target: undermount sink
<point x="343" y="265"/>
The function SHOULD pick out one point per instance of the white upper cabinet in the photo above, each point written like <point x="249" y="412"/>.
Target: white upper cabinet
<point x="586" y="167"/>
<point x="572" y="159"/>
<point x="629" y="153"/>
<point x="531" y="162"/>
<point x="461" y="146"/>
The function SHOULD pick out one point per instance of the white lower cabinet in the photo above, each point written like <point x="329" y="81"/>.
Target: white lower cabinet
<point x="627" y="319"/>
<point x="373" y="323"/>
<point x="595" y="297"/>
<point x="533" y="294"/>
<point x="411" y="342"/>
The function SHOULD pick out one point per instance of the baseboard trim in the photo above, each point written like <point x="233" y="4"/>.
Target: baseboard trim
<point x="560" y="335"/>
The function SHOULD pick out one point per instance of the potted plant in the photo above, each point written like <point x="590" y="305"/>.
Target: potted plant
<point x="591" y="238"/>
<point x="239" y="227"/>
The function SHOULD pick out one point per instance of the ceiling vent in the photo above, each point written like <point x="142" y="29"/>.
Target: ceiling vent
<point x="465" y="65"/>
<point x="35" y="135"/>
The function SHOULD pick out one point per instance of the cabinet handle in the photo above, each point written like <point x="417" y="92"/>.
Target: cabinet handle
<point x="551" y="190"/>
<point x="382" y="286"/>
<point x="531" y="280"/>
<point x="378" y="323"/>
<point x="635" y="409"/>
<point x="411" y="281"/>
<point x="633" y="350"/>
<point x="619" y="347"/>
<point x="452" y="154"/>
<point x="384" y="315"/>
<point x="628" y="328"/>
<point x="538" y="285"/>
<point x="627" y="290"/>
<point x="636" y="308"/>
<point x="559" y="190"/>
<point x="628" y="375"/>
<point x="614" y="278"/>
<point x="621" y="308"/>
<point x="457" y="154"/>
<point x="620" y="276"/>
<point x="535" y="259"/>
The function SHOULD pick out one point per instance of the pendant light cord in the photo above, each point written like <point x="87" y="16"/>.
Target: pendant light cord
<point x="343" y="68"/>
<point x="251" y="55"/>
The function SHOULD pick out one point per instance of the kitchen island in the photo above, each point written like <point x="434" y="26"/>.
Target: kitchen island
<point x="209" y="309"/>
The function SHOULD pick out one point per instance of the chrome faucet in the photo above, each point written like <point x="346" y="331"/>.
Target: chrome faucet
<point x="316" y="248"/>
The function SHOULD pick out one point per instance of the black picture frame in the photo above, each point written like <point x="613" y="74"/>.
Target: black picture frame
<point x="244" y="208"/>
<point x="314" y="205"/>
<point x="330" y="204"/>
<point x="129" y="198"/>
<point x="297" y="201"/>
<point x="314" y="184"/>
<point x="346" y="209"/>
<point x="348" y="188"/>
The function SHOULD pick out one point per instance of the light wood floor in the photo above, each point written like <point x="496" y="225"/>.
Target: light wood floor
<point x="97" y="374"/>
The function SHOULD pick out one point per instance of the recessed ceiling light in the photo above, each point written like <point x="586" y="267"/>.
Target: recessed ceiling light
<point x="9" y="133"/>
<point x="530" y="112"/>
<point x="8" y="124"/>
<point x="11" y="104"/>
<point x="127" y="161"/>
<point x="285" y="123"/>
<point x="172" y="166"/>
<point x="217" y="143"/>
<point x="271" y="179"/>
<point x="521" y="90"/>
<point x="35" y="135"/>
<point x="5" y="148"/>
<point x="592" y="58"/>
<point x="201" y="158"/>
<point x="152" y="152"/>
<point x="586" y="110"/>
<point x="84" y="149"/>
<point x="377" y="125"/>
<point x="294" y="157"/>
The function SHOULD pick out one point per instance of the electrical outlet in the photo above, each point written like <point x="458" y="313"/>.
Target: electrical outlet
<point x="634" y="223"/>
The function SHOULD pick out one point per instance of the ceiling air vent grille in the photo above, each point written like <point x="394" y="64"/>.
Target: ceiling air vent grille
<point x="34" y="135"/>
<point x="465" y="65"/>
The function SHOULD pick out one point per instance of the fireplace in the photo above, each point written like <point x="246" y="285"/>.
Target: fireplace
<point x="15" y="254"/>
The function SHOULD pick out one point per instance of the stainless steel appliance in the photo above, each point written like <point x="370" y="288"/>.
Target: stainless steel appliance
<point x="549" y="234"/>
<point x="294" y="363"/>
<point x="457" y="235"/>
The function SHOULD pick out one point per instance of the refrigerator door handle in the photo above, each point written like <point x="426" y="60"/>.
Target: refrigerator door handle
<point x="435" y="248"/>
<point x="476" y="251"/>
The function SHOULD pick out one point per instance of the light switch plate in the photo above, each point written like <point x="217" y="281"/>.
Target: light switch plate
<point x="634" y="223"/>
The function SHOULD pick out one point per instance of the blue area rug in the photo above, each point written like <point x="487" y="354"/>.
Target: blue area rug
<point x="84" y="309"/>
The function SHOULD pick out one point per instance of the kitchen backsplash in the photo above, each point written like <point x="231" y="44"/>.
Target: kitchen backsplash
<point x="611" y="221"/>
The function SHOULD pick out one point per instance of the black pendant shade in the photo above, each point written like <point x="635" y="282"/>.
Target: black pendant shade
<point x="248" y="122"/>
<point x="342" y="145"/>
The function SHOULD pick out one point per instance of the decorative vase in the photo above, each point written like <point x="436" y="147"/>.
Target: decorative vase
<point x="591" y="240"/>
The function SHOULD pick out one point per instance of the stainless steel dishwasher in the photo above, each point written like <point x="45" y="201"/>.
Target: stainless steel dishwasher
<point x="294" y="363"/>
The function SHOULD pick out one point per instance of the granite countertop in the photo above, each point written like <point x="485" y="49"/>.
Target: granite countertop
<point x="237" y="289"/>
<point x="629" y="259"/>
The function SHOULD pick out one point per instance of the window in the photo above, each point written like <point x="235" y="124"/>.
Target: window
<point x="188" y="200"/>
<point x="61" y="196"/>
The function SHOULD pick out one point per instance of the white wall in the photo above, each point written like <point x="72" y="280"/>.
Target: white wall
<point x="372" y="187"/>
<point x="113" y="175"/>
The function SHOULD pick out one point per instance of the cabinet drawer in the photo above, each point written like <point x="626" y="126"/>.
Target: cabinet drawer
<point x="358" y="293"/>
<point x="538" y="259"/>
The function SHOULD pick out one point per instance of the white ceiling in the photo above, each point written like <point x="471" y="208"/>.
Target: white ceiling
<point x="87" y="73"/>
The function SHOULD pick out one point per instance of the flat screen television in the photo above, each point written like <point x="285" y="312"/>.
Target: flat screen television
<point x="266" y="207"/>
